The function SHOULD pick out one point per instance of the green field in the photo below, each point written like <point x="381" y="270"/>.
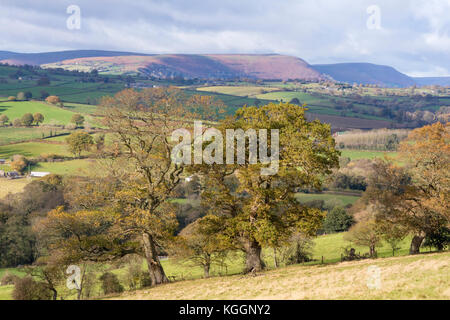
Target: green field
<point x="13" y="135"/>
<point x="33" y="149"/>
<point x="365" y="154"/>
<point x="305" y="197"/>
<point x="52" y="114"/>
<point x="78" y="167"/>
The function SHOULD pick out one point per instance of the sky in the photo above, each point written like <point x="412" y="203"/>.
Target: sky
<point x="413" y="36"/>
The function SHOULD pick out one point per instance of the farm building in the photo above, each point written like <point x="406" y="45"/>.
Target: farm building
<point x="35" y="174"/>
<point x="2" y="161"/>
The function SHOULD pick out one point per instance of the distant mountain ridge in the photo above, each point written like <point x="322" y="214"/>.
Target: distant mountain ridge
<point x="219" y="66"/>
<point x="208" y="66"/>
<point x="51" y="57"/>
<point x="365" y="73"/>
<point x="428" y="81"/>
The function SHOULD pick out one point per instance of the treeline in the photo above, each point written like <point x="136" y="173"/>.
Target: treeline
<point x="381" y="139"/>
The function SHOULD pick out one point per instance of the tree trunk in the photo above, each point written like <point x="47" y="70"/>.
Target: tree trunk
<point x="373" y="252"/>
<point x="415" y="244"/>
<point x="55" y="293"/>
<point x="155" y="269"/>
<point x="206" y="270"/>
<point x="275" y="260"/>
<point x="253" y="261"/>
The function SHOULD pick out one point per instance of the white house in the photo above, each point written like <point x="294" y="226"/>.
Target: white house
<point x="35" y="174"/>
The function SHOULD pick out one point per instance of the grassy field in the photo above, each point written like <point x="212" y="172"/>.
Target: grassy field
<point x="52" y="114"/>
<point x="410" y="277"/>
<point x="12" y="186"/>
<point x="328" y="246"/>
<point x="79" y="167"/>
<point x="13" y="135"/>
<point x="33" y="149"/>
<point x="305" y="197"/>
<point x="365" y="154"/>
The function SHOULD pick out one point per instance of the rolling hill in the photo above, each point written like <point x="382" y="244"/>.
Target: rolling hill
<point x="50" y="57"/>
<point x="270" y="66"/>
<point x="365" y="73"/>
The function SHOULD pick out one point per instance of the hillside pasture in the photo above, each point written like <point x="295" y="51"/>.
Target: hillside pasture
<point x="345" y="199"/>
<point x="366" y="154"/>
<point x="33" y="149"/>
<point x="52" y="114"/>
<point x="12" y="135"/>
<point x="410" y="277"/>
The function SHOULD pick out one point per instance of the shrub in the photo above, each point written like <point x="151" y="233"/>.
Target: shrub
<point x="12" y="98"/>
<point x="439" y="239"/>
<point x="38" y="118"/>
<point x="110" y="283"/>
<point x="27" y="119"/>
<point x="29" y="289"/>
<point x="337" y="220"/>
<point x="77" y="119"/>
<point x="17" y="123"/>
<point x="53" y="99"/>
<point x="299" y="250"/>
<point x="3" y="119"/>
<point x="137" y="278"/>
<point x="8" y="279"/>
<point x="19" y="163"/>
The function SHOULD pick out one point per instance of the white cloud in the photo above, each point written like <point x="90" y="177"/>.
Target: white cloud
<point x="414" y="34"/>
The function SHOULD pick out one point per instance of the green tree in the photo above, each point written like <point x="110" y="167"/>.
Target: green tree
<point x="38" y="118"/>
<point x="79" y="142"/>
<point x="126" y="208"/>
<point x="415" y="196"/>
<point x="28" y="95"/>
<point x="337" y="220"/>
<point x="77" y="119"/>
<point x="4" y="119"/>
<point x="263" y="210"/>
<point x="27" y="119"/>
<point x="365" y="233"/>
<point x="17" y="122"/>
<point x="200" y="243"/>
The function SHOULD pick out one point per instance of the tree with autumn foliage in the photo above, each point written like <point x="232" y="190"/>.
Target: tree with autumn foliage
<point x="200" y="244"/>
<point x="125" y="208"/>
<point x="261" y="210"/>
<point x="415" y="195"/>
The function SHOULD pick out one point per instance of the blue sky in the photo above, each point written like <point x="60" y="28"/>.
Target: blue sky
<point x="412" y="35"/>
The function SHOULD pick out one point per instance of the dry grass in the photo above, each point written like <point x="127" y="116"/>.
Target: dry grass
<point x="412" y="277"/>
<point x="12" y="186"/>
